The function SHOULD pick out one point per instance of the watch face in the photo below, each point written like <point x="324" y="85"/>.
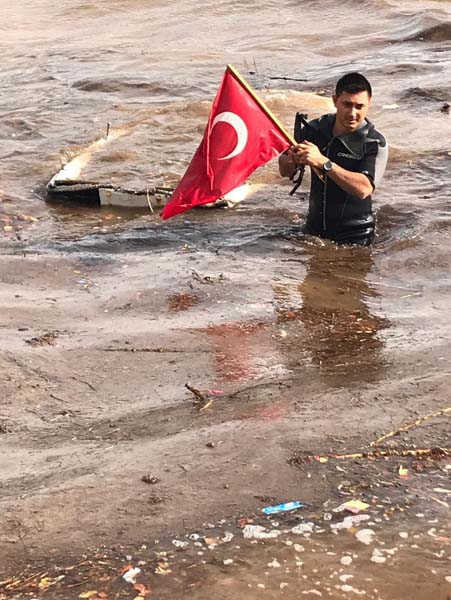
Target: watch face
<point x="327" y="166"/>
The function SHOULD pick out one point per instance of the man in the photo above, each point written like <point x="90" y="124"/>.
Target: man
<point x="347" y="157"/>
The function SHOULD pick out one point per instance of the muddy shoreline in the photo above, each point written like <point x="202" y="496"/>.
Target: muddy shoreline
<point x="96" y="355"/>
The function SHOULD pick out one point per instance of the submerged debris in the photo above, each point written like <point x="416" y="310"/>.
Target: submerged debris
<point x="46" y="339"/>
<point x="150" y="479"/>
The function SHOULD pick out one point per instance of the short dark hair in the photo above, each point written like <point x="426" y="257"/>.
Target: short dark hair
<point x="353" y="83"/>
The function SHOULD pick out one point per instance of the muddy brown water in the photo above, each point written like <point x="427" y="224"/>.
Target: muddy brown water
<point x="303" y="346"/>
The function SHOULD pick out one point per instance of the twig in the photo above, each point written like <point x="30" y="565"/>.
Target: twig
<point x="394" y="452"/>
<point x="418" y="422"/>
<point x="288" y="78"/>
<point x="418" y="452"/>
<point x="149" y="202"/>
<point x="78" y="584"/>
<point x="252" y="387"/>
<point x="255" y="65"/>
<point x="441" y="502"/>
<point x="24" y="581"/>
<point x="85" y="382"/>
<point x="201" y="401"/>
<point x="197" y="394"/>
<point x="57" y="398"/>
<point x="200" y="278"/>
<point x="159" y="350"/>
<point x="429" y="375"/>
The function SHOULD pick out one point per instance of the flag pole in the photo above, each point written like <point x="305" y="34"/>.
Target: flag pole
<point x="262" y="105"/>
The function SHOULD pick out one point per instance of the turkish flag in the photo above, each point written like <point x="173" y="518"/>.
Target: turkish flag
<point x="241" y="135"/>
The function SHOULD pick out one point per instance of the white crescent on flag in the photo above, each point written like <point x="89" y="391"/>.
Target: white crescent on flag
<point x="239" y="126"/>
<point x="227" y="157"/>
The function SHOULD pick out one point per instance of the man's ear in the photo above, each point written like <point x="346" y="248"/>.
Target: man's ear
<point x="334" y="99"/>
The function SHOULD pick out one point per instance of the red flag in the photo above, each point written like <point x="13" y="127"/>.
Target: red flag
<point x="241" y="135"/>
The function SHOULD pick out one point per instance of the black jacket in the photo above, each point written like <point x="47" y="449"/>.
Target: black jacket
<point x="333" y="213"/>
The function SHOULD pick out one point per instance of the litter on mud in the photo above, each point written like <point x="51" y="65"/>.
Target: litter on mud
<point x="354" y="506"/>
<point x="287" y="506"/>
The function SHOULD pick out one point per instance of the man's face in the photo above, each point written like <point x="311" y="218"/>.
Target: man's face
<point x="351" y="110"/>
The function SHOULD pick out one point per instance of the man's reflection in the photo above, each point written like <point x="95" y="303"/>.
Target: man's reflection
<point x="334" y="328"/>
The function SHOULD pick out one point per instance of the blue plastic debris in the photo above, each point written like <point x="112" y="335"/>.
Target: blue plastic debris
<point x="271" y="510"/>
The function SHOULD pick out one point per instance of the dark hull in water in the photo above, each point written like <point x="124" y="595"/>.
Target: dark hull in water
<point x="97" y="194"/>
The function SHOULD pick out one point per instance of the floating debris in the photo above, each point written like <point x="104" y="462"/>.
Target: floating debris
<point x="179" y="544"/>
<point x="377" y="556"/>
<point x="349" y="522"/>
<point x="150" y="479"/>
<point x="130" y="574"/>
<point x="260" y="533"/>
<point x="302" y="528"/>
<point x="354" y="506"/>
<point x="46" y="339"/>
<point x="275" y="564"/>
<point x="365" y="536"/>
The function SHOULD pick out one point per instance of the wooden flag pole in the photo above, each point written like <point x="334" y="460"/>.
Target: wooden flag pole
<point x="262" y="105"/>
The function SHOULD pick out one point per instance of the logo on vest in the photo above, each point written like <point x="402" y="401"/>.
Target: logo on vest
<point x="344" y="155"/>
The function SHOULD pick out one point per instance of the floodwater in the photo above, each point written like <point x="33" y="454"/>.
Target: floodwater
<point x="338" y="315"/>
<point x="151" y="69"/>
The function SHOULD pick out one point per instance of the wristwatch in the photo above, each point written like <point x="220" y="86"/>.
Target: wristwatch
<point x="327" y="166"/>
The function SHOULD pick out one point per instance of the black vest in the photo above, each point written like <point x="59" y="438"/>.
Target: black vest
<point x="333" y="213"/>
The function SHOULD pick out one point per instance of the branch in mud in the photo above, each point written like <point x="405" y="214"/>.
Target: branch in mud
<point x="283" y="78"/>
<point x="206" y="278"/>
<point x="46" y="339"/>
<point x="200" y="401"/>
<point x="255" y="71"/>
<point x="385" y="453"/>
<point x="374" y="454"/>
<point x="158" y="350"/>
<point x="90" y="386"/>
<point x="257" y="385"/>
<point x="416" y="423"/>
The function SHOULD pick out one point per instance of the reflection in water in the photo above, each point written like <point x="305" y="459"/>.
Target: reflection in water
<point x="245" y="351"/>
<point x="333" y="327"/>
<point x="238" y="349"/>
<point x="325" y="321"/>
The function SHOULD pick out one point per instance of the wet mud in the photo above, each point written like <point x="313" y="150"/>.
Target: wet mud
<point x="171" y="395"/>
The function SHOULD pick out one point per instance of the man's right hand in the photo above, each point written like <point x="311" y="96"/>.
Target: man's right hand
<point x="287" y="162"/>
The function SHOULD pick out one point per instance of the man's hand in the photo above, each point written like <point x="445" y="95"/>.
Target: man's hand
<point x="309" y="154"/>
<point x="287" y="163"/>
<point x="301" y="154"/>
